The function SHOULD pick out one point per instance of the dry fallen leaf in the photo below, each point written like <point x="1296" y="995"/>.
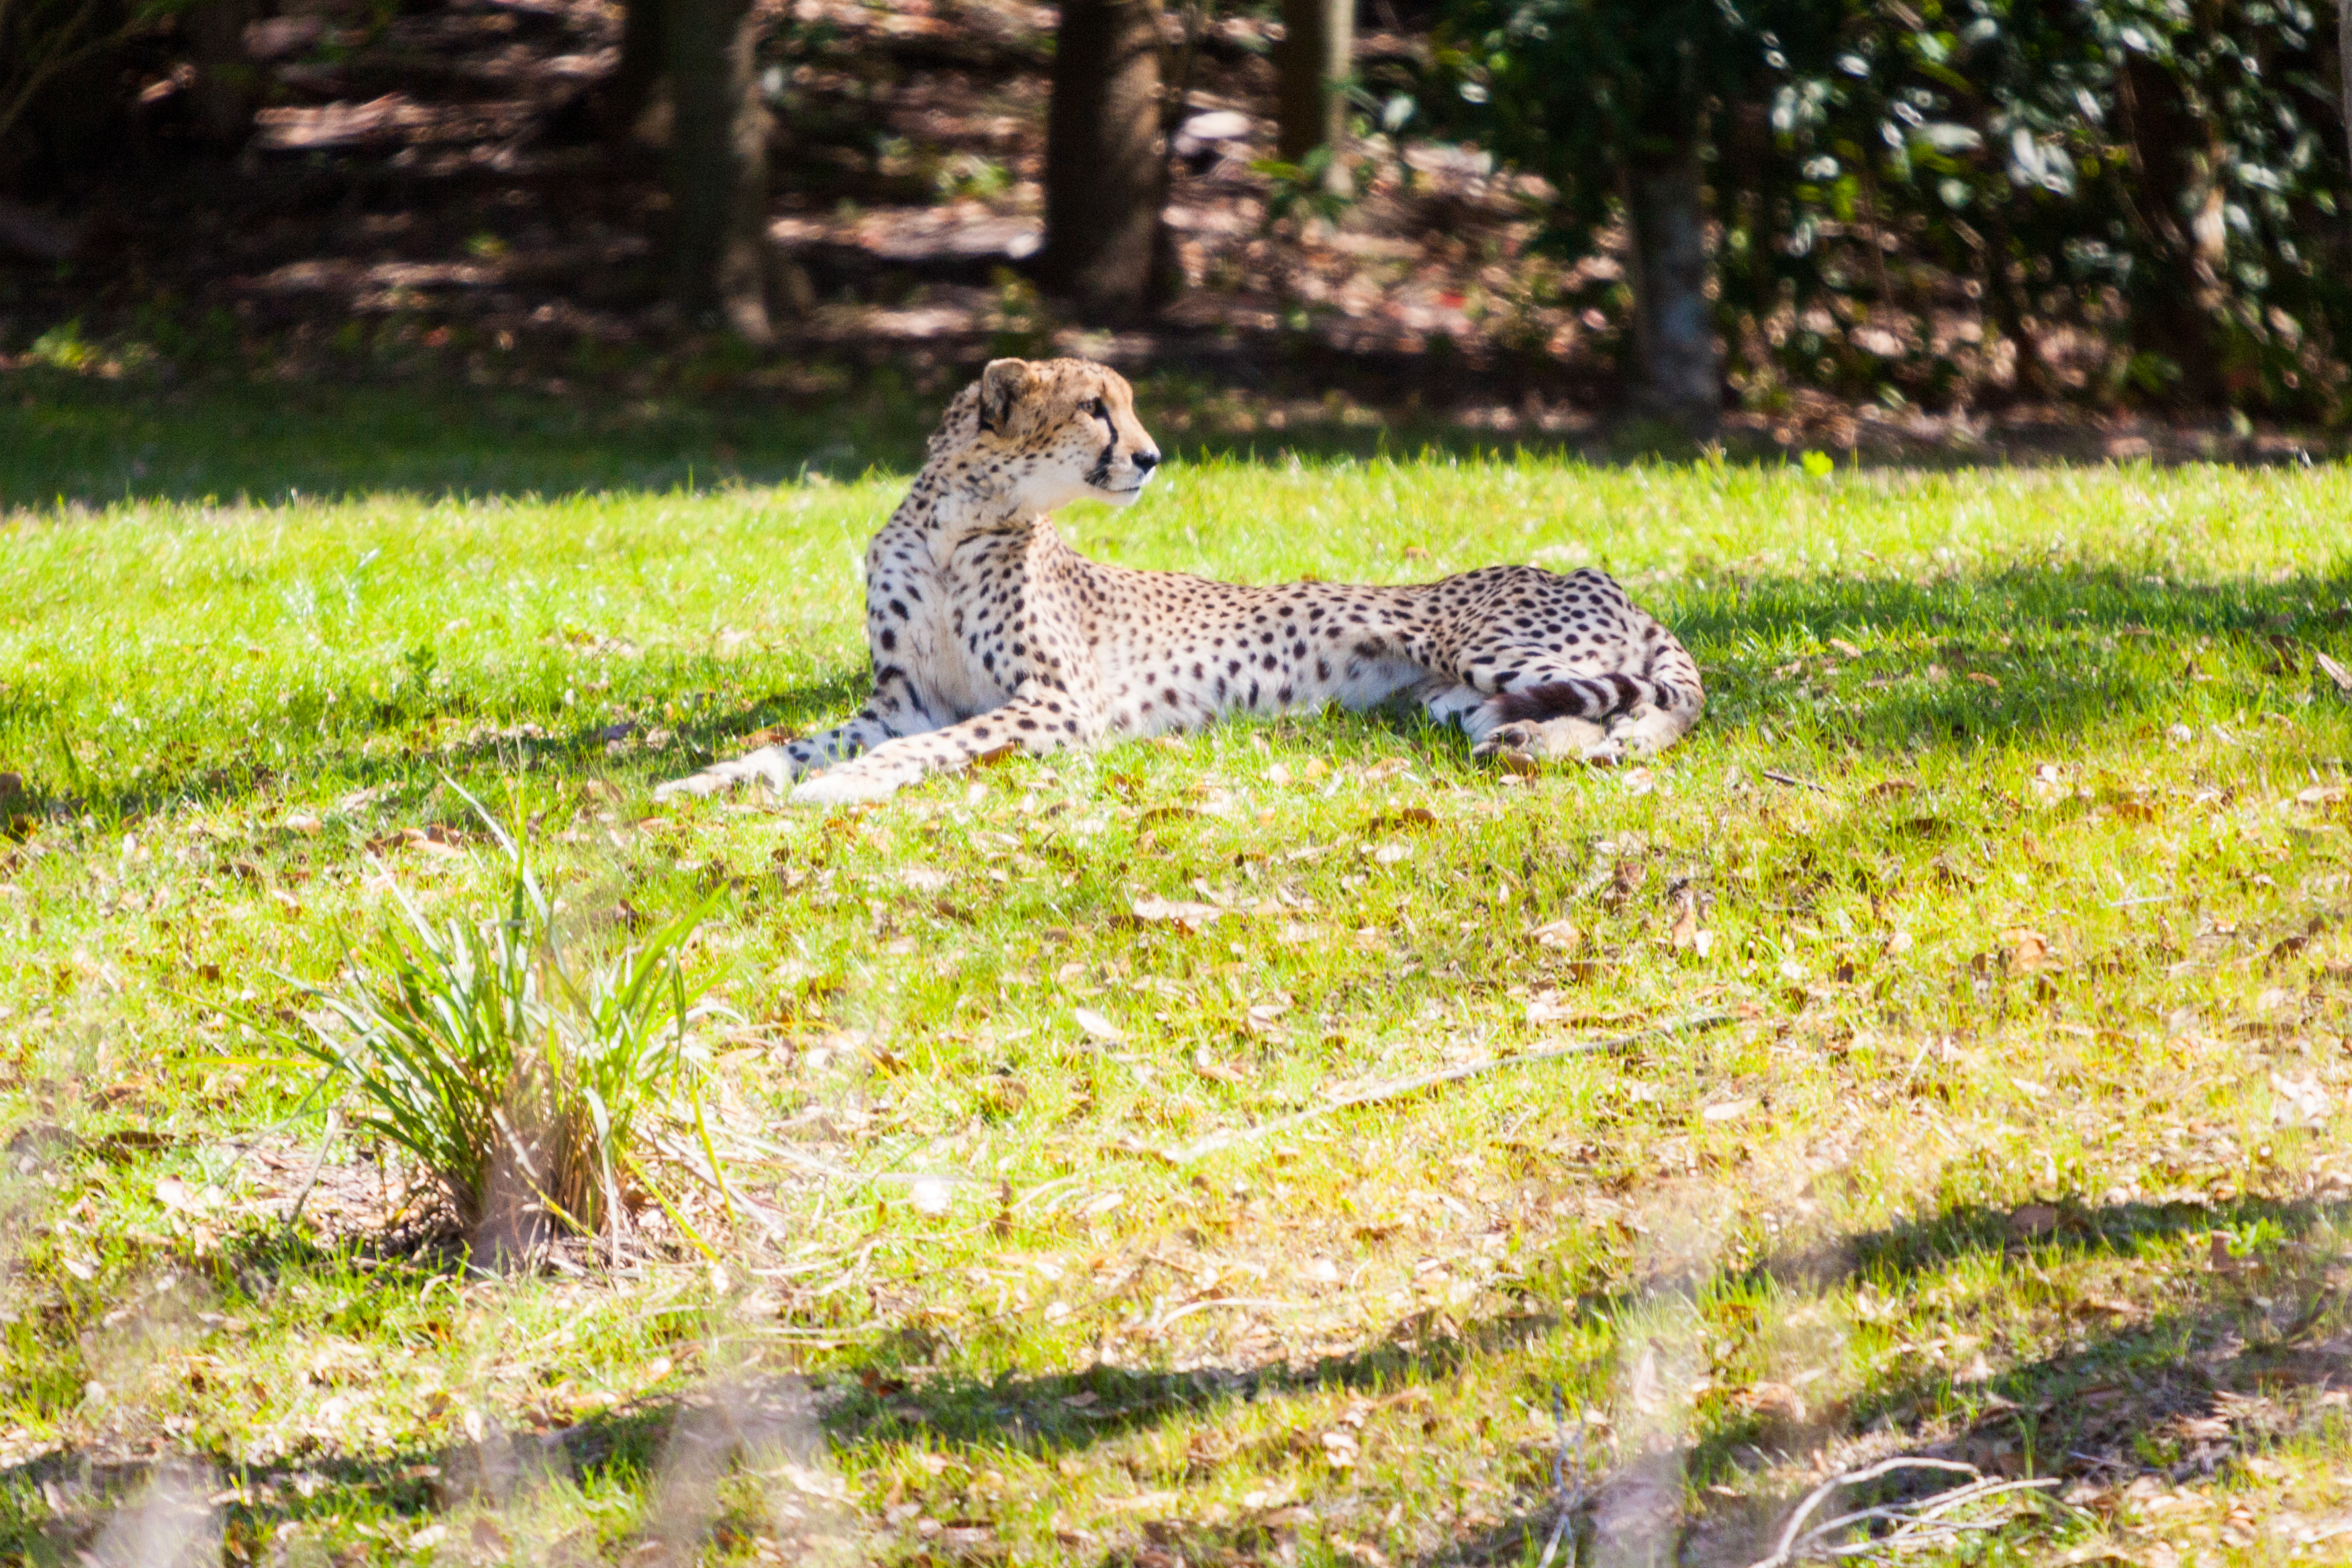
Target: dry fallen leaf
<point x="1727" y="1110"/>
<point x="304" y="823"/>
<point x="2302" y="1100"/>
<point x="1561" y="935"/>
<point x="1190" y="915"/>
<point x="2032" y="1220"/>
<point x="2024" y="949"/>
<point x="1686" y="932"/>
<point x="1259" y="1017"/>
<point x="1552" y="1007"/>
<point x="1845" y="648"/>
<point x="1208" y="1067"/>
<point x="2336" y="674"/>
<point x="1095" y="1024"/>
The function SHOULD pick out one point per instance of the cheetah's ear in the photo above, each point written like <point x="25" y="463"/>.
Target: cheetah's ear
<point x="1002" y="385"/>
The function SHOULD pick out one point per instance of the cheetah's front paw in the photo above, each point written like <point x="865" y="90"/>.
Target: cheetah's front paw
<point x="1525" y="744"/>
<point x="843" y="786"/>
<point x="1514" y="748"/>
<point x="770" y="764"/>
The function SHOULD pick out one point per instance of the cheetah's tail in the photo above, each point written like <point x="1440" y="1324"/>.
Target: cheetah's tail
<point x="1596" y="698"/>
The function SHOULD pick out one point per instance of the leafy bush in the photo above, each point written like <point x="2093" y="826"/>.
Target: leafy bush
<point x="2158" y="178"/>
<point x="2161" y="173"/>
<point x="517" y="1073"/>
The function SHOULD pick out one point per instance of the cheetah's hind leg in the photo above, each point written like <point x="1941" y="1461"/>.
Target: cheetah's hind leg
<point x="1522" y="744"/>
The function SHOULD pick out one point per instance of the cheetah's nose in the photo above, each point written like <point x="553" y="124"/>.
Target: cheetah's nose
<point x="1145" y="461"/>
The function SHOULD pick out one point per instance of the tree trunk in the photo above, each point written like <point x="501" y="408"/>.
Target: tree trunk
<point x="228" y="87"/>
<point x="644" y="50"/>
<point x="1106" y="179"/>
<point x="2343" y="63"/>
<point x="1678" y="365"/>
<point x="719" y="165"/>
<point x="1318" y="53"/>
<point x="2173" y="315"/>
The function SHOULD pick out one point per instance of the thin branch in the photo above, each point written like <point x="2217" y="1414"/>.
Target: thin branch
<point x="1398" y="1088"/>
<point x="334" y="1125"/>
<point x="1785" y="1553"/>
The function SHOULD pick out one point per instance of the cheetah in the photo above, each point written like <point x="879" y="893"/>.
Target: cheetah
<point x="990" y="634"/>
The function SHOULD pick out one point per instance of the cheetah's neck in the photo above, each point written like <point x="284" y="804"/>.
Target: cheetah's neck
<point x="954" y="499"/>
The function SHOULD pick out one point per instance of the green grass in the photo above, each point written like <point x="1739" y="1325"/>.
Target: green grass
<point x="2017" y="832"/>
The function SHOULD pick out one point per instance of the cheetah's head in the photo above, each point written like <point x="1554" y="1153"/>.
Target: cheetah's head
<point x="1051" y="432"/>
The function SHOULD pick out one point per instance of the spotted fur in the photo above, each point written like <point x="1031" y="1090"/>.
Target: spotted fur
<point x="988" y="634"/>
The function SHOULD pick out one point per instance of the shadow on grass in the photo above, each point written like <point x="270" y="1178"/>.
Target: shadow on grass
<point x="2134" y="1391"/>
<point x="68" y="438"/>
<point x="2245" y="1357"/>
<point x="578" y="750"/>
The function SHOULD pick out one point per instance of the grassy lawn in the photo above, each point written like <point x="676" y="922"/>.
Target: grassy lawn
<point x="2009" y="863"/>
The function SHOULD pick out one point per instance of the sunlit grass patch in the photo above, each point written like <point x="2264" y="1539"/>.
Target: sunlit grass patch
<point x="2015" y="843"/>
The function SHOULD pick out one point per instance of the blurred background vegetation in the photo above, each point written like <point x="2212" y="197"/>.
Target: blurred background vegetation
<point x="1815" y="222"/>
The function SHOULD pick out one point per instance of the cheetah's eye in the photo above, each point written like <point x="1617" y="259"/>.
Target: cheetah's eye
<point x="1098" y="409"/>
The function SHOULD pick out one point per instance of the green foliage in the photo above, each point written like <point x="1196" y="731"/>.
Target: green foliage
<point x="1577" y="89"/>
<point x="2160" y="176"/>
<point x="515" y="1073"/>
<point x="2173" y="166"/>
<point x="1313" y="188"/>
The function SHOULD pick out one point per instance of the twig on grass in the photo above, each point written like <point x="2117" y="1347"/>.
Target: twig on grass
<point x="1914" y="1522"/>
<point x="1236" y="1303"/>
<point x="714" y="1177"/>
<point x="334" y="1125"/>
<point x="1792" y="781"/>
<point x="1397" y="1089"/>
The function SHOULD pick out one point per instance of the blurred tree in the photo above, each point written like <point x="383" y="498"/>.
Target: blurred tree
<point x="2343" y="64"/>
<point x="1106" y="177"/>
<point x="645" y="51"/>
<point x="1312" y="65"/>
<point x="1608" y="100"/>
<point x="58" y="106"/>
<point x="718" y="164"/>
<point x="227" y="86"/>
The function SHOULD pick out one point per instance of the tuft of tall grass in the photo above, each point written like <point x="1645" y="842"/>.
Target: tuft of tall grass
<point x="517" y="1071"/>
